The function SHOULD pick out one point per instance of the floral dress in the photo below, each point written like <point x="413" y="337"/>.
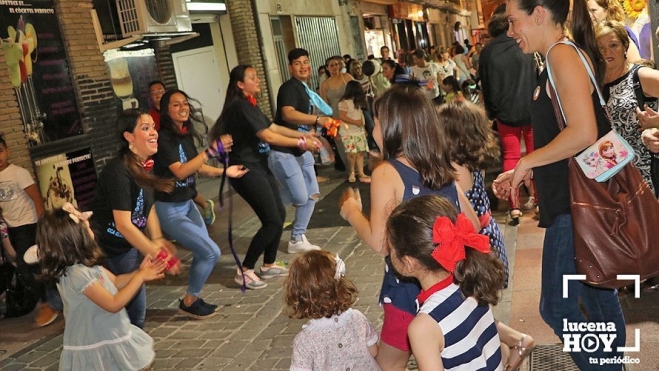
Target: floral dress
<point x="621" y="103"/>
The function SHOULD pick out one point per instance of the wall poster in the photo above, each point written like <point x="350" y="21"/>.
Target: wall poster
<point x="68" y="177"/>
<point x="38" y="69"/>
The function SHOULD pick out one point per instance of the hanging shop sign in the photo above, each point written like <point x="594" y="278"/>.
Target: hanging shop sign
<point x="68" y="177"/>
<point x="38" y="70"/>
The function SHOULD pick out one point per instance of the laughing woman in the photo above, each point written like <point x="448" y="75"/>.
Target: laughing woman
<point x="124" y="219"/>
<point x="177" y="158"/>
<point x="252" y="133"/>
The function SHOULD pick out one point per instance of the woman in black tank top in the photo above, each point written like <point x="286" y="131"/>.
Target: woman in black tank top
<point x="537" y="26"/>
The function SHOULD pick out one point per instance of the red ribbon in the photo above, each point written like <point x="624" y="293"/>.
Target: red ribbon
<point x="184" y="129"/>
<point x="451" y="240"/>
<point x="251" y="100"/>
<point x="147" y="165"/>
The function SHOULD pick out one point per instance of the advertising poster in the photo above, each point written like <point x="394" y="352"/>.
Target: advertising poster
<point x="69" y="177"/>
<point x="130" y="74"/>
<point x="39" y="72"/>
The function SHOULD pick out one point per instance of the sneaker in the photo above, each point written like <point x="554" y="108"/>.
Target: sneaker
<point x="208" y="305"/>
<point x="209" y="212"/>
<point x="301" y="244"/>
<point x="277" y="270"/>
<point x="196" y="310"/>
<point x="252" y="281"/>
<point x="45" y="316"/>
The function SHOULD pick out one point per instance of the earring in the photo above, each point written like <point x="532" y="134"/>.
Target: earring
<point x="131" y="146"/>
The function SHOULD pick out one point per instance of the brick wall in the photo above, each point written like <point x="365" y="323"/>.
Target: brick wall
<point x="90" y="77"/>
<point x="165" y="65"/>
<point x="247" y="41"/>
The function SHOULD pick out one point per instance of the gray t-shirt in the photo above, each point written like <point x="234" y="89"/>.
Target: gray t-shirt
<point x="95" y="339"/>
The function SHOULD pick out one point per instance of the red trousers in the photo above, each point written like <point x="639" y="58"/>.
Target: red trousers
<point x="511" y="138"/>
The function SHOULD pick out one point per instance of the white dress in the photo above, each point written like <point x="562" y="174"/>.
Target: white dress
<point x="95" y="339"/>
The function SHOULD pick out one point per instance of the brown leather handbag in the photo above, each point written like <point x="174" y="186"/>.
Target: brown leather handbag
<point x="613" y="222"/>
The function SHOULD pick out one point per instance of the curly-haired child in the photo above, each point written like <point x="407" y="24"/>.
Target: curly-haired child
<point x="336" y="337"/>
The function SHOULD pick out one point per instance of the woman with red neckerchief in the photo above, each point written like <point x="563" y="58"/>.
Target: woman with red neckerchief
<point x="178" y="158"/>
<point x="124" y="219"/>
<point x="252" y="133"/>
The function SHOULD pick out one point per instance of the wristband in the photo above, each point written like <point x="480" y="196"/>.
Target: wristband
<point x="302" y="143"/>
<point x="317" y="119"/>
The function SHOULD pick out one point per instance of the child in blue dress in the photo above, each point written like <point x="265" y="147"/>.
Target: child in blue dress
<point x="98" y="335"/>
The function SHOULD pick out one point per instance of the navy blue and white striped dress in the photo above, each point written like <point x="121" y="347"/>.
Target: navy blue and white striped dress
<point x="471" y="340"/>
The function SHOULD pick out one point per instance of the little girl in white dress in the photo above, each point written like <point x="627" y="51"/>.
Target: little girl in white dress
<point x="98" y="335"/>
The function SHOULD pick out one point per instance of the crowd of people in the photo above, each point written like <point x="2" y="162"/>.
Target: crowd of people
<point x="434" y="120"/>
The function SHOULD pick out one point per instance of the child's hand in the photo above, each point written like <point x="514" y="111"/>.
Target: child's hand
<point x="349" y="202"/>
<point x="152" y="269"/>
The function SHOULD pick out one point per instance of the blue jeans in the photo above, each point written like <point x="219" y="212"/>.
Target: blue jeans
<point x="183" y="222"/>
<point x="298" y="185"/>
<point x="602" y="304"/>
<point x="129" y="262"/>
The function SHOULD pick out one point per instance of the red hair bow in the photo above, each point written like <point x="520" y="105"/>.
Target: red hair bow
<point x="251" y="100"/>
<point x="147" y="165"/>
<point x="451" y="240"/>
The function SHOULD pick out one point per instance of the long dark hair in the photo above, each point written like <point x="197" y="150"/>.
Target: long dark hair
<point x="234" y="93"/>
<point x="398" y="69"/>
<point x="410" y="127"/>
<point x="581" y="27"/>
<point x="63" y="243"/>
<point x="167" y="123"/>
<point x="409" y="232"/>
<point x="355" y="92"/>
<point x="128" y="122"/>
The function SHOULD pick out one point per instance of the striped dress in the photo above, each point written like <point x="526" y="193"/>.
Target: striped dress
<point x="471" y="341"/>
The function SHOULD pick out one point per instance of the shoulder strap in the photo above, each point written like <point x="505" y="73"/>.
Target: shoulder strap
<point x="555" y="99"/>
<point x="638" y="89"/>
<point x="552" y="88"/>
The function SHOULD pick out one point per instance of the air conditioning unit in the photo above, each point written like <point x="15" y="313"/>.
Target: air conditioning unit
<point x="144" y="17"/>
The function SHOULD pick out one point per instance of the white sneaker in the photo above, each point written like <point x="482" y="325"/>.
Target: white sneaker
<point x="252" y="281"/>
<point x="301" y="245"/>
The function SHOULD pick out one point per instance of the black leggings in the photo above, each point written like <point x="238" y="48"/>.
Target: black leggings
<point x="259" y="188"/>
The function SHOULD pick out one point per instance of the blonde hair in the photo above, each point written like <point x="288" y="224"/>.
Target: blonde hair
<point x="608" y="27"/>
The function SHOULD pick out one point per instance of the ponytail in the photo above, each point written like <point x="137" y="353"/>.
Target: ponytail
<point x="481" y="276"/>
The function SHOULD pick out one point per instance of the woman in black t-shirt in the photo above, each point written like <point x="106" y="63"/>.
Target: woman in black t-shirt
<point x="124" y="221"/>
<point x="252" y="133"/>
<point x="177" y="158"/>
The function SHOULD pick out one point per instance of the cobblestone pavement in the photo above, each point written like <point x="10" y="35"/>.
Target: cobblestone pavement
<point x="251" y="330"/>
